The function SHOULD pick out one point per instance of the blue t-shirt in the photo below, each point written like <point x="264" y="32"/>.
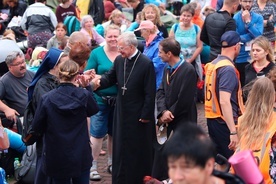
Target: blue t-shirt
<point x="227" y="80"/>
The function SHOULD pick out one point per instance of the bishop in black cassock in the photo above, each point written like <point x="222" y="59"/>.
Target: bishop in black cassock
<point x="134" y="127"/>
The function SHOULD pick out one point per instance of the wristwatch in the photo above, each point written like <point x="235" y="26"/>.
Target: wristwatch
<point x="247" y="22"/>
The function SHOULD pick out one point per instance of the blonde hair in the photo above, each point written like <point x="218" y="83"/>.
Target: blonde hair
<point x="115" y="13"/>
<point x="112" y="27"/>
<point x="157" y="20"/>
<point x="258" y="114"/>
<point x="68" y="70"/>
<point x="264" y="43"/>
<point x="9" y="35"/>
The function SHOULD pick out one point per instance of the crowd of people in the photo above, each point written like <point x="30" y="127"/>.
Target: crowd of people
<point x="133" y="72"/>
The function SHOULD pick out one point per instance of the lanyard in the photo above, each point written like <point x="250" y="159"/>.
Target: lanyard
<point x="168" y="72"/>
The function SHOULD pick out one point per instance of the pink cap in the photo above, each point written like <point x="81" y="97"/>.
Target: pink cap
<point x="145" y="24"/>
<point x="246" y="167"/>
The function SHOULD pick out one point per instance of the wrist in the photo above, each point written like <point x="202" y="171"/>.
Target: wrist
<point x="163" y="112"/>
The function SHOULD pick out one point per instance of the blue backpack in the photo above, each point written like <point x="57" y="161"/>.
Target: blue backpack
<point x="72" y="23"/>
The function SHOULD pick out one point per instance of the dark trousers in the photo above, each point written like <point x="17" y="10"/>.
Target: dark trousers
<point x="160" y="164"/>
<point x="40" y="176"/>
<point x="241" y="68"/>
<point x="220" y="135"/>
<point x="82" y="179"/>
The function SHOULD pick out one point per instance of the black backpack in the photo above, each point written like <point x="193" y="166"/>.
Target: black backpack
<point x="28" y="136"/>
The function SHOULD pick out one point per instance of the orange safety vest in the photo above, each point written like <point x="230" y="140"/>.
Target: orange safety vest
<point x="263" y="153"/>
<point x="212" y="106"/>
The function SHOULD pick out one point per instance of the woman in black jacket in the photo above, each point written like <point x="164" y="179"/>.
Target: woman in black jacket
<point x="262" y="57"/>
<point x="61" y="118"/>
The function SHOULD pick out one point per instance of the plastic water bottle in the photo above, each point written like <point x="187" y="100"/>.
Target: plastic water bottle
<point x="16" y="163"/>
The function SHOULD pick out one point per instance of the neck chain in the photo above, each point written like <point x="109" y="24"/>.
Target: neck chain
<point x="126" y="80"/>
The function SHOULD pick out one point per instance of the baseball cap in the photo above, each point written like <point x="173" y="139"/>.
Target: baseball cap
<point x="145" y="24"/>
<point x="230" y="38"/>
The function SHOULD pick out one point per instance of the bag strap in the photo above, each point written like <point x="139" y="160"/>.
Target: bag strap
<point x="175" y="27"/>
<point x="196" y="28"/>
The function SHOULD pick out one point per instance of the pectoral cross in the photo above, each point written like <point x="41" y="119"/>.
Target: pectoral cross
<point x="124" y="89"/>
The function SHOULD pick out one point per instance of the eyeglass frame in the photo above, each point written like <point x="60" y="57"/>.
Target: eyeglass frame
<point x="18" y="63"/>
<point x="122" y="48"/>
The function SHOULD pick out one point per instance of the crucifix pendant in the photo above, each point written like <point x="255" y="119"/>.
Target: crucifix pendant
<point x="124" y="89"/>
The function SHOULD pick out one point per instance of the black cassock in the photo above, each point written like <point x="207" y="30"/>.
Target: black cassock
<point x="132" y="139"/>
<point x="176" y="94"/>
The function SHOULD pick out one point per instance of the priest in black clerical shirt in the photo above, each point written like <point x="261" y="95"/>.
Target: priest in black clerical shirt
<point x="175" y="98"/>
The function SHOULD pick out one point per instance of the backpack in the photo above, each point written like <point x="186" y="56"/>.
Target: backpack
<point x="72" y="23"/>
<point x="176" y="27"/>
<point x="26" y="172"/>
<point x="27" y="133"/>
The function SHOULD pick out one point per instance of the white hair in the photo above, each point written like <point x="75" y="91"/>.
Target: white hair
<point x="129" y="38"/>
<point x="85" y="18"/>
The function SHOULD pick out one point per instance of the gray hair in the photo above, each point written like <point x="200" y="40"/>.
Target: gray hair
<point x="128" y="38"/>
<point x="12" y="56"/>
<point x="85" y="18"/>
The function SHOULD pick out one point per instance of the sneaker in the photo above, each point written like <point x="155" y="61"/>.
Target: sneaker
<point x="102" y="153"/>
<point x="109" y="169"/>
<point x="94" y="176"/>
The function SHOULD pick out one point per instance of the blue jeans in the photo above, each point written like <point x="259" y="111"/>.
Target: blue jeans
<point x="102" y="122"/>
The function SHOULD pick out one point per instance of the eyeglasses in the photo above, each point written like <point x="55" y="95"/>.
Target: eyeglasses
<point x="18" y="63"/>
<point x="122" y="48"/>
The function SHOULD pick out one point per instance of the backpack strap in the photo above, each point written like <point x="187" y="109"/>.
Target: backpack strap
<point x="175" y="28"/>
<point x="196" y="28"/>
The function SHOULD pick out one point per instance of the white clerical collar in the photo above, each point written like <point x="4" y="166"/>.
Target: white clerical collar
<point x="136" y="51"/>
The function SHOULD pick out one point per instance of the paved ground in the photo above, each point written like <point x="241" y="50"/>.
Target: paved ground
<point x="102" y="164"/>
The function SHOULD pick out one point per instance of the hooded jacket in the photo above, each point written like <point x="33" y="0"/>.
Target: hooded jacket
<point x="61" y="117"/>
